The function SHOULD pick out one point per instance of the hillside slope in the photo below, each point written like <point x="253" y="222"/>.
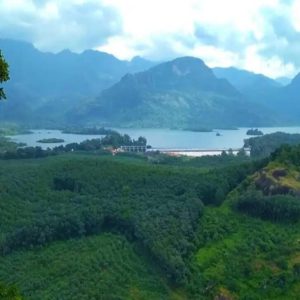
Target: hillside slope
<point x="287" y="100"/>
<point x="59" y="211"/>
<point x="44" y="85"/>
<point x="180" y="93"/>
<point x="249" y="246"/>
<point x="256" y="87"/>
<point x="281" y="99"/>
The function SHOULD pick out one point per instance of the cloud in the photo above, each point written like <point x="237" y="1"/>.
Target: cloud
<point x="283" y="38"/>
<point x="259" y="35"/>
<point x="223" y="33"/>
<point x="56" y="25"/>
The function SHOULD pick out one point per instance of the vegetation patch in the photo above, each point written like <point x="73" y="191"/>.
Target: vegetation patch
<point x="97" y="267"/>
<point x="51" y="141"/>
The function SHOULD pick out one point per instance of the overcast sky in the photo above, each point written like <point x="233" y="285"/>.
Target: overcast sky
<point x="258" y="35"/>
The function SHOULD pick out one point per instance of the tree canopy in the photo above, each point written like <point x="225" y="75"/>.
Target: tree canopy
<point x="4" y="74"/>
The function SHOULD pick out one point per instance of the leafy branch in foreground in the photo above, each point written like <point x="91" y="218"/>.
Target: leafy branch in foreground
<point x="4" y="74"/>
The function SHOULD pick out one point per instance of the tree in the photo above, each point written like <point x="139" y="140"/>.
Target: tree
<point x="4" y="74"/>
<point x="9" y="293"/>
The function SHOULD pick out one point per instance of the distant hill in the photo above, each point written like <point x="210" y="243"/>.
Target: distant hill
<point x="282" y="99"/>
<point x="43" y="82"/>
<point x="256" y="87"/>
<point x="180" y="93"/>
<point x="287" y="100"/>
<point x="49" y="89"/>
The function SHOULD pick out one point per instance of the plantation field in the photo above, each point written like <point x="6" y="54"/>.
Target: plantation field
<point x="85" y="226"/>
<point x="96" y="267"/>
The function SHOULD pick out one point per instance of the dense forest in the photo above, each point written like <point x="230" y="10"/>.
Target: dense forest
<point x="263" y="146"/>
<point x="79" y="223"/>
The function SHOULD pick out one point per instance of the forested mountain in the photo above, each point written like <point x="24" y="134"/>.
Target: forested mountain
<point x="44" y="85"/>
<point x="287" y="100"/>
<point x="179" y="93"/>
<point x="48" y="89"/>
<point x="283" y="100"/>
<point x="256" y="87"/>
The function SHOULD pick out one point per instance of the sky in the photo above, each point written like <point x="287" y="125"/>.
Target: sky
<point x="262" y="36"/>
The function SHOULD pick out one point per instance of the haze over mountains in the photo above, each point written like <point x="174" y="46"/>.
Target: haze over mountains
<point x="183" y="93"/>
<point x="256" y="87"/>
<point x="96" y="88"/>
<point x="45" y="85"/>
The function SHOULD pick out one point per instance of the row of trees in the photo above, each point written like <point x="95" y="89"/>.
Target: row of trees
<point x="277" y="208"/>
<point x="265" y="145"/>
<point x="113" y="139"/>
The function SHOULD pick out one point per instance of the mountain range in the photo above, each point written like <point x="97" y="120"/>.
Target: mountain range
<point x="96" y="88"/>
<point x="256" y="87"/>
<point x="46" y="83"/>
<point x="183" y="93"/>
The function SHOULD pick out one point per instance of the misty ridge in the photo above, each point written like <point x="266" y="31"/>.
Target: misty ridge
<point x="97" y="89"/>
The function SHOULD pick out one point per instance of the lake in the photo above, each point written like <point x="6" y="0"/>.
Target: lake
<point x="39" y="134"/>
<point x="158" y="138"/>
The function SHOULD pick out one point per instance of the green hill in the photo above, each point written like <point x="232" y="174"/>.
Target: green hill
<point x="181" y="93"/>
<point x="43" y="86"/>
<point x="97" y="267"/>
<point x="81" y="226"/>
<point x="256" y="87"/>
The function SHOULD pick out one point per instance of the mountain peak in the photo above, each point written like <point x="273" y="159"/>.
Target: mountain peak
<point x="184" y="73"/>
<point x="184" y="66"/>
<point x="180" y="92"/>
<point x="189" y="60"/>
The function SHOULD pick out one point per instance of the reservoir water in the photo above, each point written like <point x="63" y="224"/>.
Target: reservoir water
<point x="158" y="138"/>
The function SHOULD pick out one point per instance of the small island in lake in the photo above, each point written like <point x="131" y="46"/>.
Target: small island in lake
<point x="88" y="131"/>
<point x="196" y="129"/>
<point x="51" y="141"/>
<point x="254" y="132"/>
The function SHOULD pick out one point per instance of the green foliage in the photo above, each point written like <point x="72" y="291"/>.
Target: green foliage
<point x="51" y="140"/>
<point x="143" y="225"/>
<point x="276" y="208"/>
<point x="247" y="257"/>
<point x="9" y="292"/>
<point x="273" y="193"/>
<point x="114" y="140"/>
<point x="84" y="196"/>
<point x="251" y="258"/>
<point x="4" y="74"/>
<point x="98" y="267"/>
<point x="7" y="145"/>
<point x="254" y="132"/>
<point x="265" y="145"/>
<point x="288" y="155"/>
<point x="157" y="207"/>
<point x="216" y="161"/>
